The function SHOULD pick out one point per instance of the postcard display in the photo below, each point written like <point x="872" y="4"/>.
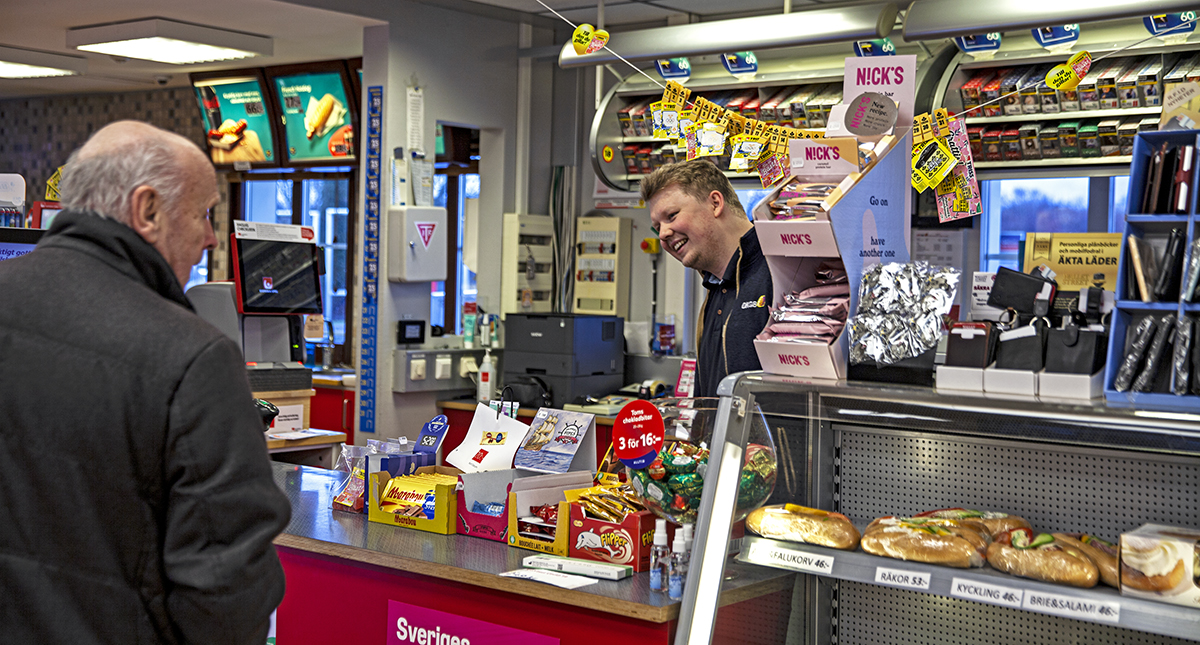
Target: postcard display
<point x="865" y="227"/>
<point x="1154" y="229"/>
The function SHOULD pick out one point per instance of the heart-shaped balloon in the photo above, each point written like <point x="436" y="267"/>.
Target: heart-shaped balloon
<point x="581" y="40"/>
<point x="1068" y="75"/>
<point x="599" y="40"/>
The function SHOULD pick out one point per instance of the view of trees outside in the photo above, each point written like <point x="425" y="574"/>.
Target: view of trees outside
<point x="1038" y="206"/>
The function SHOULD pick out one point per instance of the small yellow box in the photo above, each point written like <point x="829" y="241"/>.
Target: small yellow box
<point x="443" y="502"/>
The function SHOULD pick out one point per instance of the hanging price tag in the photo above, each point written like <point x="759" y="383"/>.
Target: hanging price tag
<point x="979" y="45"/>
<point x="740" y="63"/>
<point x="1172" y="28"/>
<point x="878" y="47"/>
<point x="674" y="68"/>
<point x="1056" y="38"/>
<point x="1068" y="75"/>
<point x="637" y="434"/>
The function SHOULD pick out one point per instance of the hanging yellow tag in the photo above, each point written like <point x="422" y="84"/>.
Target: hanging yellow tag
<point x="1068" y="75"/>
<point x="581" y="39"/>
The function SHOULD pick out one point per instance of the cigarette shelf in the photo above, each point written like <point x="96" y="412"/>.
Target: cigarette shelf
<point x="1061" y="167"/>
<point x="1049" y="163"/>
<point x="1099" y="604"/>
<point x="1063" y="116"/>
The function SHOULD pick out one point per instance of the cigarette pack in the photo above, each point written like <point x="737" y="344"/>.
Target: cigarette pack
<point x="1031" y="90"/>
<point x="972" y="90"/>
<point x="774" y="110"/>
<point x="795" y="103"/>
<point x="625" y="119"/>
<point x="1068" y="138"/>
<point x="991" y="91"/>
<point x="1089" y="140"/>
<point x="643" y="125"/>
<point x="1089" y="97"/>
<point x="975" y="139"/>
<point x="1106" y="85"/>
<point x="1127" y="88"/>
<point x="1049" y="98"/>
<point x="1010" y="141"/>
<point x="991" y="144"/>
<point x="1127" y="133"/>
<point x="1030" y="144"/>
<point x="1150" y="81"/>
<point x="1048" y="142"/>
<point x="1110" y="139"/>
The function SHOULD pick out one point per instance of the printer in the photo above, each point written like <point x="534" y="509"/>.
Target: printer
<point x="574" y="355"/>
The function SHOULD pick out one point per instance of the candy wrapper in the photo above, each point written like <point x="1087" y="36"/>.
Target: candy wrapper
<point x="900" y="311"/>
<point x="351" y="485"/>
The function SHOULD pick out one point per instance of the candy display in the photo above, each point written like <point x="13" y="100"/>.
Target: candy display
<point x="672" y="485"/>
<point x="610" y="503"/>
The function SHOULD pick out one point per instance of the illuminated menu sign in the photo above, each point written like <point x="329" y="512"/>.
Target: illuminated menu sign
<point x="316" y="116"/>
<point x="236" y="121"/>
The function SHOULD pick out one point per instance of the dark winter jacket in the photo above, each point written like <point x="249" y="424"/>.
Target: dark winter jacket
<point x="136" y="498"/>
<point x="735" y="311"/>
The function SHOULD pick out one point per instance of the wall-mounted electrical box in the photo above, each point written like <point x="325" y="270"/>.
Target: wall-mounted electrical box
<point x="429" y="370"/>
<point x="417" y="239"/>
<point x="602" y="248"/>
<point x="527" y="273"/>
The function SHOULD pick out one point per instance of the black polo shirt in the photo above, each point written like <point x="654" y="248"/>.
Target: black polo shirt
<point x="735" y="311"/>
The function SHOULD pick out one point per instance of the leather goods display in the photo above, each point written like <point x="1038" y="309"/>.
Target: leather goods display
<point x="802" y="524"/>
<point x="1023" y="348"/>
<point x="1076" y="349"/>
<point x="971" y="344"/>
<point x="1023" y="293"/>
<point x="1164" y="337"/>
<point x="1153" y="184"/>
<point x="1140" y="337"/>
<point x="1181" y="195"/>
<point x="1192" y="275"/>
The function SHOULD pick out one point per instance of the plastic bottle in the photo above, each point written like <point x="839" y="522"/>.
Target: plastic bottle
<point x="487" y="379"/>
<point x="659" y="555"/>
<point x="678" y="568"/>
<point x="688" y="537"/>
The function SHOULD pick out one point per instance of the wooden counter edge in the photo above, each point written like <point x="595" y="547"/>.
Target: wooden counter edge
<point x="480" y="579"/>
<point x="327" y="438"/>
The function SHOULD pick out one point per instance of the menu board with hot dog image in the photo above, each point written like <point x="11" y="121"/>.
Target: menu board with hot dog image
<point x="316" y="116"/>
<point x="236" y="120"/>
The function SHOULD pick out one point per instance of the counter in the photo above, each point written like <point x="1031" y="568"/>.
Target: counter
<point x="342" y="571"/>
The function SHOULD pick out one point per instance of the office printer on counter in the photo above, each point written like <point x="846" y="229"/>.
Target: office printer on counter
<point x="573" y="355"/>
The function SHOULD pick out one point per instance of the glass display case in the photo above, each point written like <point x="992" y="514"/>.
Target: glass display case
<point x="867" y="451"/>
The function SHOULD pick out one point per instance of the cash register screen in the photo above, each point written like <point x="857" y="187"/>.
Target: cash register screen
<point x="277" y="277"/>
<point x="15" y="242"/>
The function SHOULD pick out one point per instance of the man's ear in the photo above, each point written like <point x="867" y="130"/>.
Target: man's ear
<point x="145" y="213"/>
<point x="716" y="201"/>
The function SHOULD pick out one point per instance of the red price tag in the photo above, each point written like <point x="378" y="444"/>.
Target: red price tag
<point x="638" y="434"/>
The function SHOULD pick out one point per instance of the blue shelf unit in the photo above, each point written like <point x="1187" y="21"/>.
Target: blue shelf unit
<point x="1128" y="311"/>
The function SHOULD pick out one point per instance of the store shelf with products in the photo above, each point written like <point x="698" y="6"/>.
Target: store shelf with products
<point x="867" y="450"/>
<point x="1100" y="604"/>
<point x="1063" y="116"/>
<point x="787" y="82"/>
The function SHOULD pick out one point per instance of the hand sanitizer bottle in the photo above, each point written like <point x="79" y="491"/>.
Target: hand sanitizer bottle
<point x="678" y="569"/>
<point x="659" y="555"/>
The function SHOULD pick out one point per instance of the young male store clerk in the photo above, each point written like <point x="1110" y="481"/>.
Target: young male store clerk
<point x="139" y="505"/>
<point x="697" y="216"/>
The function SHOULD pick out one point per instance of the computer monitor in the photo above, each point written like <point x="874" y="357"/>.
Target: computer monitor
<point x="276" y="277"/>
<point x="15" y="242"/>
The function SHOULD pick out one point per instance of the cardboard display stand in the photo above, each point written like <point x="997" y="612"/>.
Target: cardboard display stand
<point x="530" y="492"/>
<point x="559" y="441"/>
<point x="866" y="226"/>
<point x="487" y="487"/>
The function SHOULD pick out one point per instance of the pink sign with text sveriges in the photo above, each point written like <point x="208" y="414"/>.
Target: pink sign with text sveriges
<point x="413" y="625"/>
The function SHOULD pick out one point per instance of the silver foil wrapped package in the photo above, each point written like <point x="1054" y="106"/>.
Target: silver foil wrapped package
<point x="900" y="311"/>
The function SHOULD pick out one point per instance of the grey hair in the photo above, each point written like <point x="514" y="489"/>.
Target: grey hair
<point x="104" y="182"/>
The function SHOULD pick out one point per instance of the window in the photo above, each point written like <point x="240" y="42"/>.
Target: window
<point x="323" y="201"/>
<point x="465" y="186"/>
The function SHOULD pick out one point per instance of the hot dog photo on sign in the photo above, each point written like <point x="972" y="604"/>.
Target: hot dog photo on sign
<point x="317" y="116"/>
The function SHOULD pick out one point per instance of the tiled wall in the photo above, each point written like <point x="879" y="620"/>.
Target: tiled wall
<point x="38" y="134"/>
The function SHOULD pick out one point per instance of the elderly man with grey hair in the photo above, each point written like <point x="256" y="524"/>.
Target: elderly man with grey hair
<point x="138" y="504"/>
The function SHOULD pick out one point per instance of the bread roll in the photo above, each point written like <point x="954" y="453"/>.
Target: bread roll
<point x="801" y="524"/>
<point x="996" y="522"/>
<point x="925" y="540"/>
<point x="1054" y="562"/>
<point x="1097" y="551"/>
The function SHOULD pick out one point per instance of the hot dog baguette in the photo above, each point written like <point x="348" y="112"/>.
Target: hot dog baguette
<point x="1098" y="551"/>
<point x="935" y="542"/>
<point x="801" y="524"/>
<point x="995" y="521"/>
<point x="1051" y="561"/>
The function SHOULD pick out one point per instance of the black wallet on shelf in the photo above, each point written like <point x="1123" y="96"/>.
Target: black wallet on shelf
<point x="1153" y="180"/>
<point x="1164" y="337"/>
<point x="1170" y="271"/>
<point x="1138" y="340"/>
<point x="1023" y="348"/>
<point x="971" y="344"/>
<point x="1075" y="349"/>
<point x="1021" y="292"/>
<point x="1181" y="357"/>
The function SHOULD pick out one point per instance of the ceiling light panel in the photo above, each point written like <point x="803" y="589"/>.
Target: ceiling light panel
<point x="27" y="63"/>
<point x="168" y="41"/>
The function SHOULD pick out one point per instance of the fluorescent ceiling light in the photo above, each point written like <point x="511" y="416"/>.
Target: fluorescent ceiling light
<point x="168" y="41"/>
<point x="26" y="63"/>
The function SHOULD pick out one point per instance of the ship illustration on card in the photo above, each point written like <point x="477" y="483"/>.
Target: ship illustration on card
<point x="554" y="438"/>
